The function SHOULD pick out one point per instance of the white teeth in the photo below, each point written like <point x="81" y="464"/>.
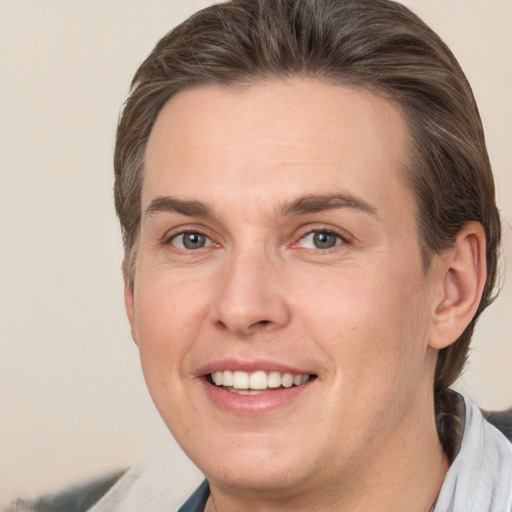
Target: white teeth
<point x="287" y="380"/>
<point x="227" y="378"/>
<point x="257" y="380"/>
<point x="240" y="380"/>
<point x="274" y="380"/>
<point x="246" y="391"/>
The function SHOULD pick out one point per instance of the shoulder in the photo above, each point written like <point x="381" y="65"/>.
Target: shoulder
<point x="502" y="420"/>
<point x="162" y="481"/>
<point x="480" y="476"/>
<point x="77" y="499"/>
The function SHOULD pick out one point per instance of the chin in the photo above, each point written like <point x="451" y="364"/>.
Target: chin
<point x="261" y="475"/>
<point x="263" y="465"/>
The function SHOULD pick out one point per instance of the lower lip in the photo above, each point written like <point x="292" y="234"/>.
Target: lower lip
<point x="255" y="404"/>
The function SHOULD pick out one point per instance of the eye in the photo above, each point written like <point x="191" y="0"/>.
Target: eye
<point x="321" y="240"/>
<point x="190" y="240"/>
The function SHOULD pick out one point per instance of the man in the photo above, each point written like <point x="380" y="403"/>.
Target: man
<point x="310" y="235"/>
<point x="310" y="232"/>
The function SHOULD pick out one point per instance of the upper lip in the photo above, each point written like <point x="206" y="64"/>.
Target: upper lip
<point x="248" y="366"/>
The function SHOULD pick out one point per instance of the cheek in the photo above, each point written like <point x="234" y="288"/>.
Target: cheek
<point x="369" y="323"/>
<point x="168" y="315"/>
<point x="167" y="325"/>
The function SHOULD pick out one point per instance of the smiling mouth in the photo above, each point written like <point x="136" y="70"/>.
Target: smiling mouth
<point x="256" y="383"/>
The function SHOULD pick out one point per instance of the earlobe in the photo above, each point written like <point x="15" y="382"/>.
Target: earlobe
<point x="463" y="275"/>
<point x="129" y="304"/>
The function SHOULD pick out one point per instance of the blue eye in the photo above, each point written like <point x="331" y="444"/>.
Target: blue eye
<point x="190" y="241"/>
<point x="320" y="240"/>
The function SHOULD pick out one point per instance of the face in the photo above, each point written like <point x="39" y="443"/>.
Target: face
<point x="280" y="305"/>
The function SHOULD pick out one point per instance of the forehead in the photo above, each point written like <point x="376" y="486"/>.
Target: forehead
<point x="276" y="138"/>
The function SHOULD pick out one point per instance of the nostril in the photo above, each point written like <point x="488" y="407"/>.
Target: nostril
<point x="260" y="324"/>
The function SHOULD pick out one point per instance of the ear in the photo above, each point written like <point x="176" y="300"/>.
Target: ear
<point x="463" y="272"/>
<point x="129" y="304"/>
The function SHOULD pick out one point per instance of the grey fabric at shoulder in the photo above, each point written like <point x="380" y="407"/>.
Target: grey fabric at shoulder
<point x="77" y="499"/>
<point x="161" y="482"/>
<point x="502" y="420"/>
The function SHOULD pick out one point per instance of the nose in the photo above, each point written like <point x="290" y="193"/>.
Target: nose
<point x="251" y="296"/>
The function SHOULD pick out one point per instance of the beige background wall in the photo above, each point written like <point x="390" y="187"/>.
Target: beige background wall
<point x="72" y="400"/>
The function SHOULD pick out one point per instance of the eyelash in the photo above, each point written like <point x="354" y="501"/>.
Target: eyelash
<point x="168" y="240"/>
<point x="340" y="240"/>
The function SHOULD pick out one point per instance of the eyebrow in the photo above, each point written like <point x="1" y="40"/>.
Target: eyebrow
<point x="307" y="204"/>
<point x="169" y="204"/>
<point x="314" y="203"/>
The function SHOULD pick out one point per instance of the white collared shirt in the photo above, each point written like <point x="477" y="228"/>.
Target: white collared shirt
<point x="480" y="477"/>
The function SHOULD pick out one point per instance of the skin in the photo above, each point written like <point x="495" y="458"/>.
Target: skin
<point x="362" y="316"/>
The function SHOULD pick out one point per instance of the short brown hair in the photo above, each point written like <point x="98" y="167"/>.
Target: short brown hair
<point x="377" y="45"/>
